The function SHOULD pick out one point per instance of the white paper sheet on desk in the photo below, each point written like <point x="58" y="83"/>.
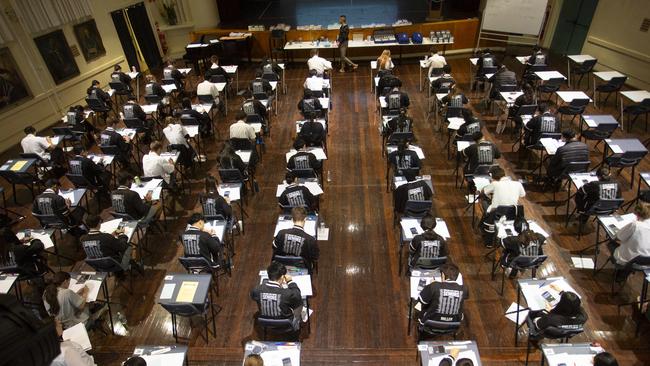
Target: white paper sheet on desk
<point x="533" y="297"/>
<point x="169" y="88"/>
<point x="142" y="192"/>
<point x="150" y="108"/>
<point x="582" y="262"/>
<point x="462" y="145"/>
<point x="55" y="140"/>
<point x="275" y="357"/>
<point x="166" y="359"/>
<point x="153" y="183"/>
<point x="555" y="288"/>
<point x="110" y="226"/>
<point x="46" y="239"/>
<point x="455" y="123"/>
<point x="580" y="179"/>
<point x="234" y="193"/>
<point x="323" y="233"/>
<point x="318" y="153"/>
<point x="167" y="291"/>
<point x="591" y="123"/>
<point x="219" y="229"/>
<point x="244" y="155"/>
<point x="310" y="226"/>
<point x="74" y="195"/>
<point x="618" y="221"/>
<point x="274" y="85"/>
<point x="511" y="313"/>
<point x="102" y="159"/>
<point x="5" y="284"/>
<point x="314" y="188"/>
<point x="435" y="361"/>
<point x="192" y="131"/>
<point x="415" y="281"/>
<point x="93" y="288"/>
<point x="480" y="183"/>
<point x="551" y="145"/>
<point x="185" y="71"/>
<point x="78" y="335"/>
<point x="616" y="149"/>
<point x="567" y="359"/>
<point x="324" y="102"/>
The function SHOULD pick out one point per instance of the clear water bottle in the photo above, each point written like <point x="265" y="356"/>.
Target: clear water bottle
<point x="122" y="319"/>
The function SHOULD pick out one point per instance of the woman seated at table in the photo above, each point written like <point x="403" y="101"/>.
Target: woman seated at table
<point x="526" y="242"/>
<point x="217" y="204"/>
<point x="528" y="98"/>
<point x="67" y="306"/>
<point x="567" y="314"/>
<point x="384" y="62"/>
<point x="228" y="159"/>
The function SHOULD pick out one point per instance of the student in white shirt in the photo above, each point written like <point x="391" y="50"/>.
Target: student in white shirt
<point x="154" y="165"/>
<point x="384" y="61"/>
<point x="318" y="63"/>
<point x="241" y="129"/>
<point x="72" y="354"/>
<point x="435" y="61"/>
<point x="314" y="82"/>
<point x="175" y="133"/>
<point x="634" y="238"/>
<point x="207" y="88"/>
<point x="503" y="190"/>
<point x="33" y="144"/>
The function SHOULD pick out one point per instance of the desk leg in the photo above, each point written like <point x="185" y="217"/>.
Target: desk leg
<point x="308" y="317"/>
<point x="620" y="116"/>
<point x="420" y="78"/>
<point x="594" y="90"/>
<point x="518" y="311"/>
<point x="410" y="315"/>
<point x="568" y="198"/>
<point x="108" y="302"/>
<point x="568" y="71"/>
<point x="596" y="247"/>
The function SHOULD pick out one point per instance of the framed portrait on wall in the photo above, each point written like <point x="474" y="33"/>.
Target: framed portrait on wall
<point x="89" y="40"/>
<point x="13" y="88"/>
<point x="57" y="56"/>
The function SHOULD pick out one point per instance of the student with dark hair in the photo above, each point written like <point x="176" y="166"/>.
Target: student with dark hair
<point x="605" y="359"/>
<point x="279" y="297"/>
<point x="95" y="92"/>
<point x="303" y="159"/>
<point x="428" y="245"/>
<point x="443" y="300"/>
<point x="309" y="106"/>
<point x="435" y="63"/>
<point x="97" y="244"/>
<point x="215" y="70"/>
<point x="295" y="241"/>
<point x="205" y="125"/>
<point x="604" y="188"/>
<point x="200" y="241"/>
<point x="543" y="122"/>
<point x="573" y="151"/>
<point x="38" y="145"/>
<point x="26" y="255"/>
<point x="482" y="152"/>
<point x="528" y="98"/>
<point x="118" y="75"/>
<point x="566" y="314"/>
<point x="525" y="242"/>
<point x="170" y="72"/>
<point x="135" y="361"/>
<point x="405" y="161"/>
<point x="110" y="137"/>
<point x="502" y="191"/>
<point x="49" y="203"/>
<point x="228" y="159"/>
<point x="401" y="123"/>
<point x="124" y="200"/>
<point x="65" y="305"/>
<point x="80" y="123"/>
<point x="132" y="109"/>
<point x="296" y="195"/>
<point x="213" y="203"/>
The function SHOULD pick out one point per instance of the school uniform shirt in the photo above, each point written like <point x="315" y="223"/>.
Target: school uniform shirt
<point x="254" y="106"/>
<point x="265" y="86"/>
<point x="319" y="64"/>
<point x="434" y="62"/>
<point x="309" y="105"/>
<point x="242" y="130"/>
<point x="33" y="144"/>
<point x="404" y="100"/>
<point x="110" y="137"/>
<point x="443" y="84"/>
<point x="468" y="129"/>
<point x="572" y="151"/>
<point x="549" y="319"/>
<point x="69" y="302"/>
<point x="175" y="133"/>
<point x="297" y="196"/>
<point x="388" y="81"/>
<point x="635" y="240"/>
<point x="108" y="245"/>
<point x="538" y="58"/>
<point x="417" y="190"/>
<point x="544" y="123"/>
<point x="514" y="247"/>
<point x="122" y="78"/>
<point x="50" y="203"/>
<point x="296" y="242"/>
<point x="154" y="89"/>
<point x="275" y="301"/>
<point x="486" y="60"/>
<point x="97" y="93"/>
<point x="173" y="73"/>
<point x="198" y="243"/>
<point x="427" y="245"/>
<point x="591" y="192"/>
<point x="393" y="125"/>
<point x="482" y="153"/>
<point x="86" y="167"/>
<point x="133" y="110"/>
<point x="312" y="132"/>
<point x="442" y="301"/>
<point x="303" y="160"/>
<point x="207" y="88"/>
<point x="127" y="201"/>
<point x="501" y="78"/>
<point x="216" y="70"/>
<point x="213" y="205"/>
<point x="408" y="160"/>
<point x="505" y="192"/>
<point x="154" y="165"/>
<point x="314" y="83"/>
<point x="457" y="101"/>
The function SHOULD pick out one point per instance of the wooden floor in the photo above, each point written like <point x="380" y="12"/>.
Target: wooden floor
<point x="360" y="301"/>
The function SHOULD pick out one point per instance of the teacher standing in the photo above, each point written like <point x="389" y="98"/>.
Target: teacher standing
<point x="344" y="33"/>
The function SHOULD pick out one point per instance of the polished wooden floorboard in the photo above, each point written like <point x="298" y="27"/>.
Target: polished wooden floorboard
<point x="360" y="300"/>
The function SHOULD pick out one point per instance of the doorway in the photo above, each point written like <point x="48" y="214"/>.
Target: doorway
<point x="573" y="26"/>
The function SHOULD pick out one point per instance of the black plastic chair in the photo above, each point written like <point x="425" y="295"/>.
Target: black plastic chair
<point x="614" y="85"/>
<point x="563" y="334"/>
<point x="521" y="263"/>
<point x="601" y="207"/>
<point x="575" y="108"/>
<point x="437" y="328"/>
<point x="550" y="86"/>
<point x="583" y="69"/>
<point x="292" y="261"/>
<point x="636" y="110"/>
<point x="198" y="265"/>
<point x="626" y="160"/>
<point x="278" y="326"/>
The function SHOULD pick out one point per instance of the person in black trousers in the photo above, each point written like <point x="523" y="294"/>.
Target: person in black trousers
<point x="199" y="242"/>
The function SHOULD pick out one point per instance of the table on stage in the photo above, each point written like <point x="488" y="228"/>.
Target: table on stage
<point x="435" y="352"/>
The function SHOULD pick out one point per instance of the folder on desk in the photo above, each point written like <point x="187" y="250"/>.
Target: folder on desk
<point x="79" y="335"/>
<point x="110" y="226"/>
<point x="18" y="165"/>
<point x="186" y="291"/>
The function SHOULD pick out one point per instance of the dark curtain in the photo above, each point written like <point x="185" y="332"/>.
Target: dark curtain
<point x="144" y="34"/>
<point x="125" y="38"/>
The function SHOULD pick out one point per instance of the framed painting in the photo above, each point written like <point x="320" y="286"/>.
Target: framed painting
<point x="89" y="40"/>
<point x="57" y="55"/>
<point x="13" y="88"/>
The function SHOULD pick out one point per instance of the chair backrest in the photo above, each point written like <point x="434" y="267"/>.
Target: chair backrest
<point x="527" y="110"/>
<point x="49" y="221"/>
<point x="454" y="111"/>
<point x="97" y="105"/>
<point x="153" y="98"/>
<point x="291" y="260"/>
<point x="576" y="167"/>
<point x="588" y="65"/>
<point x="554" y="82"/>
<point x="510" y="212"/>
<point x="639" y="263"/>
<point x="439" y="327"/>
<point x="415" y="208"/>
<point x="183" y="309"/>
<point x="104" y="264"/>
<point x="508" y="88"/>
<point x="205" y="98"/>
<point x="242" y="144"/>
<point x="195" y="264"/>
<point x="430" y="263"/>
<point x="605" y="206"/>
<point x="551" y="135"/>
<point x="617" y="81"/>
<point x="304" y="173"/>
<point x="231" y="176"/>
<point x="79" y="181"/>
<point x="579" y="103"/>
<point x="527" y="261"/>
<point x="489" y="70"/>
<point x="562" y="332"/>
<point x="283" y="325"/>
<point x="110" y="149"/>
<point x="135" y="123"/>
<point x="396" y="137"/>
<point x="218" y="78"/>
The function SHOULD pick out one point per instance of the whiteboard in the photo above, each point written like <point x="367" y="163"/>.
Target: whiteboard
<point x="514" y="16"/>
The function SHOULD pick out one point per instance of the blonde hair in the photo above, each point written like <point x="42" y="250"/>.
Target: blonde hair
<point x="383" y="62"/>
<point x="253" y="360"/>
<point x="642" y="210"/>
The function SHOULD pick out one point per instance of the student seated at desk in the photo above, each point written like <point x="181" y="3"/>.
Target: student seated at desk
<point x="605" y="188"/>
<point x="213" y="203"/>
<point x="444" y="83"/>
<point x="471" y="126"/>
<point x="443" y="301"/>
<point x="303" y="159"/>
<point x="633" y="239"/>
<point x="405" y="161"/>
<point x="485" y="59"/>
<point x="228" y="159"/>
<point x="309" y="106"/>
<point x="170" y="72"/>
<point x="118" y="75"/>
<point x="208" y="89"/>
<point x="528" y="98"/>
<point x="97" y="245"/>
<point x="386" y="83"/>
<point x="313" y="133"/>
<point x="26" y="255"/>
<point x="41" y="146"/>
<point x="319" y="64"/>
<point x="96" y="92"/>
<point x="252" y="106"/>
<point x="65" y="305"/>
<point x="296" y="195"/>
<point x="538" y="57"/>
<point x="455" y="99"/>
<point x="81" y="124"/>
<point x="176" y="134"/>
<point x="526" y="242"/>
<point x="399" y="124"/>
<point x="257" y="360"/>
<point x="124" y="200"/>
<point x="268" y="67"/>
<point x="428" y="245"/>
<point x="414" y="190"/>
<point x="295" y="241"/>
<point x="154" y="165"/>
<point x="96" y="174"/>
<point x="132" y="110"/>
<point x="72" y="354"/>
<point x="279" y="297"/>
<point x="198" y="242"/>
<point x="315" y="83"/>
<point x="544" y="122"/>
<point x="404" y="100"/>
<point x="260" y="88"/>
<point x="502" y="191"/>
<point x="482" y="152"/>
<point x="205" y="124"/>
<point x="135" y="361"/>
<point x="153" y="88"/>
<point x="110" y="137"/>
<point x="605" y="359"/>
<point x="572" y="151"/>
<point x="501" y="78"/>
<point x="567" y="314"/>
<point x="384" y="61"/>
<point x="242" y="130"/>
<point x="216" y="70"/>
<point x="435" y="63"/>
<point x="51" y="204"/>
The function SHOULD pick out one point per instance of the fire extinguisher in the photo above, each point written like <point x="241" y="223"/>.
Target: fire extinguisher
<point x="163" y="40"/>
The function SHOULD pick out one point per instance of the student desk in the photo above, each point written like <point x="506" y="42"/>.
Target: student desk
<point x="569" y="96"/>
<point x="105" y="161"/>
<point x="49" y="241"/>
<point x="302" y="279"/>
<point x="233" y="70"/>
<point x="94" y="281"/>
<point x="548" y="75"/>
<point x="576" y="180"/>
<point x="569" y="353"/>
<point x="578" y="60"/>
<point x="196" y="297"/>
<point x="285" y="222"/>
<point x="163" y="355"/>
<point x="7" y="281"/>
<point x="644" y="180"/>
<point x="599" y="122"/>
<point x="410" y="227"/>
<point x="611" y="224"/>
<point x="17" y="170"/>
<point x="275" y="353"/>
<point x="605" y="76"/>
<point x="433" y="352"/>
<point x="636" y="96"/>
<point x="75" y="195"/>
<point x="628" y="149"/>
<point x="232" y="193"/>
<point x="550" y="148"/>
